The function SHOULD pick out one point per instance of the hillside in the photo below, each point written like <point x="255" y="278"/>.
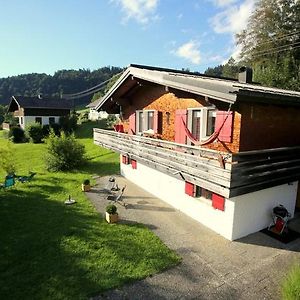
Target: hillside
<point x="62" y="82"/>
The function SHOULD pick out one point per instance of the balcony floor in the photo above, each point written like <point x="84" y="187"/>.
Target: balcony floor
<point x="212" y="267"/>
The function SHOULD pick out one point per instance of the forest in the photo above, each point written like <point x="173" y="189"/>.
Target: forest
<point x="62" y="82"/>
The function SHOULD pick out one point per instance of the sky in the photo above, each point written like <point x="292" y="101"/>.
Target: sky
<point x="43" y="36"/>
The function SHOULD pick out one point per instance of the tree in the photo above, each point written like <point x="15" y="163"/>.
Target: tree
<point x="270" y="43"/>
<point x="216" y="71"/>
<point x="230" y="69"/>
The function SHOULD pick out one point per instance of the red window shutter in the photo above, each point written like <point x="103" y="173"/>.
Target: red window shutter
<point x="125" y="160"/>
<point x="132" y="124"/>
<point x="190" y="189"/>
<point x="180" y="135"/>
<point x="218" y="202"/>
<point x="226" y="118"/>
<point x="133" y="164"/>
<point x="157" y="119"/>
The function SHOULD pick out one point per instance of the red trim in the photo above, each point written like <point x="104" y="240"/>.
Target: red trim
<point x="125" y="159"/>
<point x="180" y="119"/>
<point x="224" y="123"/>
<point x="132" y="123"/>
<point x="218" y="202"/>
<point x="190" y="189"/>
<point x="133" y="164"/>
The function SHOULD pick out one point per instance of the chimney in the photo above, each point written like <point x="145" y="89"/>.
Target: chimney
<point x="245" y="75"/>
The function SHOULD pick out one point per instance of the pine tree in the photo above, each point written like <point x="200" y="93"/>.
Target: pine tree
<point x="271" y="43"/>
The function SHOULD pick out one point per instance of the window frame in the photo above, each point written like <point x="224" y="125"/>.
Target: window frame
<point x="145" y="121"/>
<point x="204" y="115"/>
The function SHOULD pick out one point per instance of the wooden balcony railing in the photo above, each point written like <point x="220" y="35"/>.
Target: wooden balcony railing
<point x="223" y="173"/>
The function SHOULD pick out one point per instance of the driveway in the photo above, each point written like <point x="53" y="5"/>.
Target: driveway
<point x="212" y="267"/>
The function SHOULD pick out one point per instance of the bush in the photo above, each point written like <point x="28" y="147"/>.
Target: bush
<point x="17" y="134"/>
<point x="86" y="182"/>
<point x="56" y="128"/>
<point x="35" y="132"/>
<point x="64" y="152"/>
<point x="111" y="120"/>
<point x="111" y="209"/>
<point x="7" y="160"/>
<point x="291" y="286"/>
<point x="69" y="123"/>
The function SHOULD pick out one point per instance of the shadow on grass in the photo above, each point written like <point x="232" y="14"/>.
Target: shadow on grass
<point x="52" y="251"/>
<point x="100" y="168"/>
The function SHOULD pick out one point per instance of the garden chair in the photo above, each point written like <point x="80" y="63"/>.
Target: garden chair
<point x="118" y="197"/>
<point x="9" y="182"/>
<point x="24" y="179"/>
<point x="111" y="185"/>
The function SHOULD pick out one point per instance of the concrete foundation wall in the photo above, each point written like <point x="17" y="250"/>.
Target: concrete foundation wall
<point x="243" y="214"/>
<point x="172" y="191"/>
<point x="253" y="211"/>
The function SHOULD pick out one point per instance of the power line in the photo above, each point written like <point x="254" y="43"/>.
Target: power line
<point x="278" y="51"/>
<point x="276" y="48"/>
<point x="89" y="91"/>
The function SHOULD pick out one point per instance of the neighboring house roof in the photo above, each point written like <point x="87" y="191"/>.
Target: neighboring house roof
<point x="222" y="89"/>
<point x="94" y="103"/>
<point x="39" y="102"/>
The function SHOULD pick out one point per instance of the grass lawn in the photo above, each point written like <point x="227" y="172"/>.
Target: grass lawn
<point x="52" y="251"/>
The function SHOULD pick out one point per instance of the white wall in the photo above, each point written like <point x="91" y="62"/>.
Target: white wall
<point x="27" y="120"/>
<point x="172" y="191"/>
<point x="95" y="115"/>
<point x="253" y="211"/>
<point x="243" y="214"/>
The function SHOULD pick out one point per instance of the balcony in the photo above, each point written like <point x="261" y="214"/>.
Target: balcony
<point x="223" y="173"/>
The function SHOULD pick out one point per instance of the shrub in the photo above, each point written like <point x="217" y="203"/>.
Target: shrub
<point x="35" y="132"/>
<point x="291" y="285"/>
<point x="63" y="152"/>
<point x="69" y="123"/>
<point x="111" y="120"/>
<point x="111" y="209"/>
<point x="86" y="182"/>
<point x="7" y="160"/>
<point x="17" y="134"/>
<point x="56" y="128"/>
<point x="46" y="130"/>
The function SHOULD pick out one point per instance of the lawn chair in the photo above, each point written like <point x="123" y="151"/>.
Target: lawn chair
<point x="24" y="179"/>
<point x="9" y="182"/>
<point x="111" y="186"/>
<point x="118" y="197"/>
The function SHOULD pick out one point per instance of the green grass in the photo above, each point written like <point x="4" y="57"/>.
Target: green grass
<point x="52" y="251"/>
<point x="291" y="285"/>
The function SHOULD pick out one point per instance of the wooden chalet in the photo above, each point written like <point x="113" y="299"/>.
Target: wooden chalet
<point x="38" y="109"/>
<point x="223" y="151"/>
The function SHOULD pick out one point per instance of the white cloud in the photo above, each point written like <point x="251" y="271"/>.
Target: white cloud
<point x="189" y="51"/>
<point x="142" y="11"/>
<point x="223" y="2"/>
<point x="234" y="18"/>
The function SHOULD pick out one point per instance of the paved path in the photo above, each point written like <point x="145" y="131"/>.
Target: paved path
<point x="212" y="267"/>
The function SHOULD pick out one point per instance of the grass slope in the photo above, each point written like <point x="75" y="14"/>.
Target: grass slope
<point x="52" y="251"/>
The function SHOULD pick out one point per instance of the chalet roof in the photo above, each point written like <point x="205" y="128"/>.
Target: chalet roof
<point x="94" y="103"/>
<point x="36" y="102"/>
<point x="222" y="89"/>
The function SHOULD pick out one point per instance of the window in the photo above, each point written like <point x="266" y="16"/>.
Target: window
<point x="38" y="120"/>
<point x="145" y="120"/>
<point x="21" y="120"/>
<point x="51" y="120"/>
<point x="202" y="192"/>
<point x="211" y="121"/>
<point x="196" y="121"/>
<point x="201" y="122"/>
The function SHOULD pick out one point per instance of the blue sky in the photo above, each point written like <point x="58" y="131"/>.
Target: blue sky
<point x="47" y="35"/>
